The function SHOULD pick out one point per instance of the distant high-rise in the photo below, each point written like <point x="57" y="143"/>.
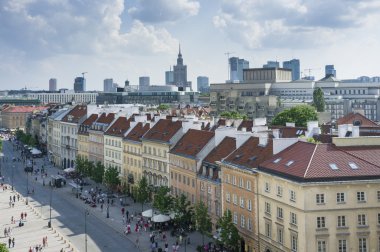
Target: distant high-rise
<point x="79" y="84"/>
<point x="293" y="65"/>
<point x="330" y="70"/>
<point x="144" y="81"/>
<point x="180" y="72"/>
<point x="203" y="84"/>
<point x="169" y="77"/>
<point x="236" y="68"/>
<point x="108" y="86"/>
<point x="271" y="64"/>
<point x="53" y="84"/>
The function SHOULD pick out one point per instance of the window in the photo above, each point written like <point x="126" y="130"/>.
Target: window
<point x="293" y="243"/>
<point x="280" y="235"/>
<point x="268" y="229"/>
<point x="249" y="205"/>
<point x="234" y="199"/>
<point x="280" y="213"/>
<point x="279" y="191"/>
<point x="292" y="196"/>
<point x="378" y="195"/>
<point x="249" y="188"/>
<point x="341" y="221"/>
<point x="362" y="244"/>
<point x="340" y="197"/>
<point x="342" y="246"/>
<point x="267" y="207"/>
<point x="353" y="165"/>
<point x="242" y="221"/>
<point x="235" y="218"/>
<point x="320" y="198"/>
<point x="241" y="182"/>
<point x="360" y="196"/>
<point x="249" y="224"/>
<point x="228" y="197"/>
<point x="234" y="180"/>
<point x="267" y="187"/>
<point x="227" y="178"/>
<point x="321" y="246"/>
<point x="241" y="202"/>
<point x="321" y="222"/>
<point x="362" y="220"/>
<point x="293" y="218"/>
<point x="378" y="219"/>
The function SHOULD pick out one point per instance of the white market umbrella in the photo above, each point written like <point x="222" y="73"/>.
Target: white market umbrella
<point x="147" y="213"/>
<point x="34" y="151"/>
<point x="69" y="170"/>
<point x="160" y="218"/>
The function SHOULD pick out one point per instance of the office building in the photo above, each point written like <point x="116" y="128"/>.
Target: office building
<point x="79" y="84"/>
<point x="64" y="97"/>
<point x="236" y="68"/>
<point x="53" y="85"/>
<point x="180" y="72"/>
<point x="330" y="70"/>
<point x="169" y="77"/>
<point x="293" y="65"/>
<point x="202" y="84"/>
<point x="108" y="86"/>
<point x="271" y="64"/>
<point x="144" y="81"/>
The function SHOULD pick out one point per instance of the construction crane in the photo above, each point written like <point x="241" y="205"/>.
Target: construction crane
<point x="309" y="71"/>
<point x="83" y="74"/>
<point x="228" y="63"/>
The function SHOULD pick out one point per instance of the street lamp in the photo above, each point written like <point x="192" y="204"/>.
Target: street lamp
<point x="51" y="198"/>
<point x="86" y="212"/>
<point x="13" y="167"/>
<point x="1" y="160"/>
<point x="108" y="210"/>
<point x="27" y="187"/>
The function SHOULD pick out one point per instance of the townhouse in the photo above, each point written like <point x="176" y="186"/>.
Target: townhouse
<point x="83" y="143"/>
<point x="185" y="160"/>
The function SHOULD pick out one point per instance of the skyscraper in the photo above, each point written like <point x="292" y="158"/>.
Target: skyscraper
<point x="271" y="64"/>
<point x="236" y="68"/>
<point x="53" y="84"/>
<point x="169" y="77"/>
<point x="330" y="70"/>
<point x="180" y="72"/>
<point x="79" y="84"/>
<point x="144" y="81"/>
<point x="108" y="86"/>
<point x="293" y="65"/>
<point x="202" y="84"/>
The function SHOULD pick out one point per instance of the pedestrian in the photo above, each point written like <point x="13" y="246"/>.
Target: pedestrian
<point x="9" y="242"/>
<point x="46" y="241"/>
<point x="14" y="198"/>
<point x="9" y="231"/>
<point x="13" y="242"/>
<point x="101" y="207"/>
<point x="22" y="215"/>
<point x="127" y="213"/>
<point x="43" y="242"/>
<point x="122" y="211"/>
<point x="18" y="197"/>
<point x="25" y="215"/>
<point x="10" y="198"/>
<point x="12" y="220"/>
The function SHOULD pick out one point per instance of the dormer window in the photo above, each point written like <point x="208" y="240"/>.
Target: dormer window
<point x="277" y="160"/>
<point x="289" y="163"/>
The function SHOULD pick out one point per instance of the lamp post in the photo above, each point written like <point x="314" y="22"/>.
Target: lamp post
<point x="108" y="210"/>
<point x="27" y="188"/>
<point x="86" y="212"/>
<point x="13" y="167"/>
<point x="1" y="160"/>
<point x="51" y="199"/>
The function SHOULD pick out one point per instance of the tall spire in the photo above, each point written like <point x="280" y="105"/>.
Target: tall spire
<point x="179" y="51"/>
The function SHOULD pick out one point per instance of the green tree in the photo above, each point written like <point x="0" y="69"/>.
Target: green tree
<point x="163" y="200"/>
<point x="3" y="247"/>
<point x="229" y="234"/>
<point x="163" y="107"/>
<point x="183" y="211"/>
<point x="111" y="177"/>
<point x="202" y="220"/>
<point x="1" y="145"/>
<point x="233" y="115"/>
<point x="299" y="115"/>
<point x="142" y="192"/>
<point x="79" y="164"/>
<point x="319" y="99"/>
<point x="98" y="173"/>
<point x="88" y="168"/>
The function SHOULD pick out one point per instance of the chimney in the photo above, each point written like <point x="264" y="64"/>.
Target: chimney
<point x="276" y="133"/>
<point x="355" y="131"/>
<point x="263" y="140"/>
<point x="241" y="137"/>
<point x="221" y="133"/>
<point x="244" y="129"/>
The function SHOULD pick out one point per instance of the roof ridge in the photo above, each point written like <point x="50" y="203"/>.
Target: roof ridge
<point x="335" y="147"/>
<point x="311" y="159"/>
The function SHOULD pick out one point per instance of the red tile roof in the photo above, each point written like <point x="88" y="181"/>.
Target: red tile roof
<point x="224" y="148"/>
<point x="75" y="114"/>
<point x="119" y="127"/>
<point x="250" y="154"/>
<point x="290" y="132"/>
<point x="137" y="132"/>
<point x="356" y="119"/>
<point x="24" y="109"/>
<point x="248" y="124"/>
<point x="106" y="119"/>
<point x="90" y="120"/>
<point x="163" y="130"/>
<point x="370" y="154"/>
<point x="319" y="162"/>
<point x="192" y="142"/>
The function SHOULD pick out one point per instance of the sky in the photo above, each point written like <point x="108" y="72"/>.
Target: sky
<point x="125" y="39"/>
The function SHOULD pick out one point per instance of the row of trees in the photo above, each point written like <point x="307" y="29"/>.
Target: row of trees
<point x="27" y="139"/>
<point x="185" y="215"/>
<point x="98" y="173"/>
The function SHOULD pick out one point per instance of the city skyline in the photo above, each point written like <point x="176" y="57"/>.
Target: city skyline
<point x="126" y="40"/>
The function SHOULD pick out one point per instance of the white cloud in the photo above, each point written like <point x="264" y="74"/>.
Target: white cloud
<point x="164" y="10"/>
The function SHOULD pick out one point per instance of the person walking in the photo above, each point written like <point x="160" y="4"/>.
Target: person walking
<point x="13" y="242"/>
<point x="9" y="242"/>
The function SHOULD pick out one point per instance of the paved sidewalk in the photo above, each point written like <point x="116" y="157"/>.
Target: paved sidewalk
<point x="34" y="229"/>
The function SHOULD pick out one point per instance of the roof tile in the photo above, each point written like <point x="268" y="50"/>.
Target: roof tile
<point x="192" y="142"/>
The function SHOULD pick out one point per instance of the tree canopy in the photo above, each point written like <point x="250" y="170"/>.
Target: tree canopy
<point x="233" y="115"/>
<point x="229" y="234"/>
<point x="299" y="115"/>
<point x="142" y="192"/>
<point x="111" y="177"/>
<point x="319" y="100"/>
<point x="163" y="107"/>
<point x="163" y="200"/>
<point x="98" y="173"/>
<point x="183" y="211"/>
<point x="27" y="139"/>
<point x="202" y="220"/>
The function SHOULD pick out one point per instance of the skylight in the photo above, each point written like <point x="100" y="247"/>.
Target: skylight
<point x="253" y="158"/>
<point x="290" y="162"/>
<point x="333" y="166"/>
<point x="277" y="160"/>
<point x="353" y="165"/>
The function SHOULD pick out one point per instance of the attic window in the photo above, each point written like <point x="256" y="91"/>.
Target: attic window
<point x="277" y="160"/>
<point x="348" y="133"/>
<point x="238" y="156"/>
<point x="353" y="165"/>
<point x="333" y="166"/>
<point x="252" y="158"/>
<point x="289" y="163"/>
